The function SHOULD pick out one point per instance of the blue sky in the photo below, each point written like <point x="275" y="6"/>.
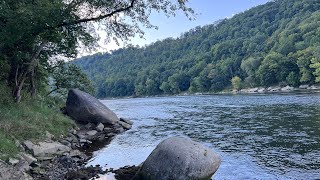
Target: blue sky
<point x="208" y="12"/>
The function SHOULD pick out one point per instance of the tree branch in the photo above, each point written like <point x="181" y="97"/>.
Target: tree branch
<point x="98" y="17"/>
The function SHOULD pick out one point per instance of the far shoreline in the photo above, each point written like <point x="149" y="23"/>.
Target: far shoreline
<point x="316" y="89"/>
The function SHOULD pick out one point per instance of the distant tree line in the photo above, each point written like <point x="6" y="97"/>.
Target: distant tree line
<point x="271" y="44"/>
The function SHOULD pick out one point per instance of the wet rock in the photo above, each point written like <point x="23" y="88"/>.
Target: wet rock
<point x="84" y="173"/>
<point x="125" y="125"/>
<point x="180" y="159"/>
<point x="85" y="108"/>
<point x="126" y="121"/>
<point x="125" y="173"/>
<point x="100" y="127"/>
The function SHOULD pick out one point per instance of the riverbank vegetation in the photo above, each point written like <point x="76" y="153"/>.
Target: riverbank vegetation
<point x="37" y="38"/>
<point x="29" y="119"/>
<point x="273" y="44"/>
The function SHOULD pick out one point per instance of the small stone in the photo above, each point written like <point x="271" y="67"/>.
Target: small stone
<point x="64" y="142"/>
<point x="125" y="125"/>
<point x="23" y="165"/>
<point x="126" y="121"/>
<point x="101" y="137"/>
<point x="89" y="126"/>
<point x="81" y="136"/>
<point x="49" y="136"/>
<point x="29" y="158"/>
<point x="17" y="143"/>
<point x="110" y="134"/>
<point x="108" y="129"/>
<point x="13" y="161"/>
<point x="100" y="127"/>
<point x="120" y="130"/>
<point x="72" y="131"/>
<point x="91" y="133"/>
<point x="82" y="140"/>
<point x="45" y="158"/>
<point x="74" y="153"/>
<point x="72" y="138"/>
<point x="28" y="144"/>
<point x="305" y="86"/>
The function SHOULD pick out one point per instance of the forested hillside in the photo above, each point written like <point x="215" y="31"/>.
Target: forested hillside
<point x="272" y="44"/>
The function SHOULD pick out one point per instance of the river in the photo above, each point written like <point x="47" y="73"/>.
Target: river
<point x="270" y="136"/>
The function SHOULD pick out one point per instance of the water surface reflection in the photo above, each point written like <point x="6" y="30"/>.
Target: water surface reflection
<point x="258" y="136"/>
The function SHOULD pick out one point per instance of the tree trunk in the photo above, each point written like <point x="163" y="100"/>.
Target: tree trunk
<point x="23" y="76"/>
<point x="33" y="85"/>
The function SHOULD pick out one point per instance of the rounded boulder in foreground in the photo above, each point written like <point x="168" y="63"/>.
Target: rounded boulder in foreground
<point x="179" y="159"/>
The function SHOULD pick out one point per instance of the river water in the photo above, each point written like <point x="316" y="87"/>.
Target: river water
<point x="257" y="136"/>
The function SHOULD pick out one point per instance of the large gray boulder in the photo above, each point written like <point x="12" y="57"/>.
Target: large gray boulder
<point x="180" y="159"/>
<point x="85" y="108"/>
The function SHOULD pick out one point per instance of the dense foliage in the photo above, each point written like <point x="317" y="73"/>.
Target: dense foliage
<point x="272" y="44"/>
<point x="33" y="32"/>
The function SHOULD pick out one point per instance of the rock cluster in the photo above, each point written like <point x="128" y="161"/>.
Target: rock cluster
<point x="277" y="89"/>
<point x="60" y="158"/>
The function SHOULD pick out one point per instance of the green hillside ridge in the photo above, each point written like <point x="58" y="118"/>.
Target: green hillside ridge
<point x="271" y="44"/>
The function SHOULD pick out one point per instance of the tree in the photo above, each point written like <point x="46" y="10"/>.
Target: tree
<point x="293" y="79"/>
<point x="315" y="64"/>
<point x="66" y="76"/>
<point x="236" y="82"/>
<point x="34" y="31"/>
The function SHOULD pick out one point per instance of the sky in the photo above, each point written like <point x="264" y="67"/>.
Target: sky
<point x="208" y="11"/>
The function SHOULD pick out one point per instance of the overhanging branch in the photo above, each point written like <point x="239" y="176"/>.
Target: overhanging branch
<point x="98" y="17"/>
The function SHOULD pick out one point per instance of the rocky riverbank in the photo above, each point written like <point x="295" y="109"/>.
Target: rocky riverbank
<point x="277" y="89"/>
<point x="65" y="157"/>
<point x="60" y="157"/>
